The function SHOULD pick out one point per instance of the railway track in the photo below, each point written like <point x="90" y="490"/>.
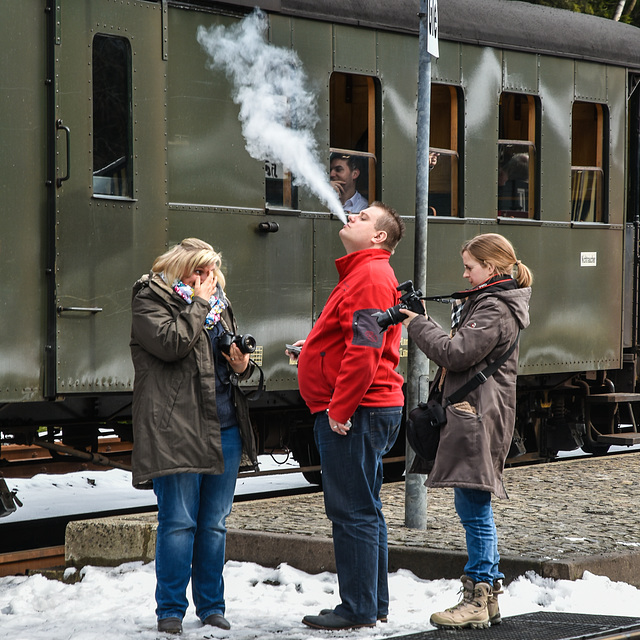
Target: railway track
<point x="26" y="461"/>
<point x="30" y="560"/>
<point x="31" y="545"/>
<point x="37" y="544"/>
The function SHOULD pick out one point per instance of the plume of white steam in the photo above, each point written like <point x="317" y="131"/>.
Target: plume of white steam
<point x="277" y="111"/>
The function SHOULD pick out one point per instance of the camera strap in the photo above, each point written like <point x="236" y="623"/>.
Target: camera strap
<point x="481" y="377"/>
<point x="497" y="283"/>
<point x="256" y="393"/>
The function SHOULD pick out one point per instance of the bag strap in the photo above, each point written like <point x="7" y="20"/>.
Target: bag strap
<point x="481" y="377"/>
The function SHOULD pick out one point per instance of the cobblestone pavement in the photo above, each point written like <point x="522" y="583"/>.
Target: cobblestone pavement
<point x="561" y="510"/>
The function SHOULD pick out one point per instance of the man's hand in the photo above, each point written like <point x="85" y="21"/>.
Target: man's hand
<point x="338" y="427"/>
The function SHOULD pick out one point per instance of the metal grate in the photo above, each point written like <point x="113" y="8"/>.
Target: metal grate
<point x="544" y="625"/>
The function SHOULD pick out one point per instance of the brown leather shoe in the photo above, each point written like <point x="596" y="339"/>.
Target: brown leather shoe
<point x="217" y="620"/>
<point x="170" y="625"/>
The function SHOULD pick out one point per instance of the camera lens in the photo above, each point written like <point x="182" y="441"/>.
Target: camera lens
<point x="247" y="343"/>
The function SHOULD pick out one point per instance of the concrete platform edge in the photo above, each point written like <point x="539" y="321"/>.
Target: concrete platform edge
<point x="113" y="541"/>
<point x="314" y="555"/>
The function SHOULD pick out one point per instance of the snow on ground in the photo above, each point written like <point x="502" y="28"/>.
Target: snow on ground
<point x="118" y="604"/>
<point x="50" y="495"/>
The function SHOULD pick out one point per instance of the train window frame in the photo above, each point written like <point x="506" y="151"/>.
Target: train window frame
<point x="112" y="165"/>
<point x="444" y="141"/>
<point x="354" y="114"/>
<point x="280" y="190"/>
<point x="588" y="165"/>
<point x="517" y="186"/>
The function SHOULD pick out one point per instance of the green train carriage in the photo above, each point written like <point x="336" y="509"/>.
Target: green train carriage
<point x="118" y="140"/>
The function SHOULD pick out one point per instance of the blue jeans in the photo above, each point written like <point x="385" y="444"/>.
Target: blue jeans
<point x="474" y="508"/>
<point x="351" y="480"/>
<point x="190" y="544"/>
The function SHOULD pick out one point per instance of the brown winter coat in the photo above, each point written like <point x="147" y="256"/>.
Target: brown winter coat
<point x="474" y="446"/>
<point x="175" y="419"/>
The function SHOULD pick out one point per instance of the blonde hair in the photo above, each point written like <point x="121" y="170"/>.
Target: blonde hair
<point x="183" y="259"/>
<point x="495" y="250"/>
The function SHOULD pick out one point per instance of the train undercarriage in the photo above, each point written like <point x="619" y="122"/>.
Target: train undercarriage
<point x="556" y="412"/>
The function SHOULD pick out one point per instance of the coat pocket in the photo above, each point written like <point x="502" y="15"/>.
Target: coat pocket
<point x="465" y="443"/>
<point x="466" y="430"/>
<point x="170" y="396"/>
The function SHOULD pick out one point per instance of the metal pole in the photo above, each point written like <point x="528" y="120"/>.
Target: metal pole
<point x="418" y="365"/>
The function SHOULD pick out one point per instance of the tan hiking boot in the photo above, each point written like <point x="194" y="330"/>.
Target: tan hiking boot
<point x="472" y="610"/>
<point x="492" y="603"/>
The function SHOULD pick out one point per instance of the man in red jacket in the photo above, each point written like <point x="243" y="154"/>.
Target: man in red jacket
<point x="348" y="379"/>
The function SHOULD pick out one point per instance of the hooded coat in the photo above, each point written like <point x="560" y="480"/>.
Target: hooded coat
<point x="175" y="418"/>
<point x="476" y="439"/>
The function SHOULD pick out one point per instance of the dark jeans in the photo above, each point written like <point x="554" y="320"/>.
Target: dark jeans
<point x="351" y="480"/>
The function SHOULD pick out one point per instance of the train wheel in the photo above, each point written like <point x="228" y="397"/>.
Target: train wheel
<point x="595" y="448"/>
<point x="304" y="450"/>
<point x="393" y="471"/>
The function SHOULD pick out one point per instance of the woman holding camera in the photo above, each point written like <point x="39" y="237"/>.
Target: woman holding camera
<point x="475" y="441"/>
<point x="190" y="423"/>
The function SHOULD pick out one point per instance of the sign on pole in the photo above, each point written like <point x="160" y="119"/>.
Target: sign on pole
<point x="432" y="29"/>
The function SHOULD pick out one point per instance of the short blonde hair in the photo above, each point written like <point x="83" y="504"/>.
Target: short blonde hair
<point x="495" y="250"/>
<point x="183" y="259"/>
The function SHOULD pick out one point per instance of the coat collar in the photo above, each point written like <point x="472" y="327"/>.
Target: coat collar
<point x="352" y="260"/>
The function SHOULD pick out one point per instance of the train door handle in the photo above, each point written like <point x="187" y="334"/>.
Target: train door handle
<point x="61" y="309"/>
<point x="60" y="125"/>
<point x="268" y="227"/>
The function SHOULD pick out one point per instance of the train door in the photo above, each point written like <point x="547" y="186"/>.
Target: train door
<point x="109" y="160"/>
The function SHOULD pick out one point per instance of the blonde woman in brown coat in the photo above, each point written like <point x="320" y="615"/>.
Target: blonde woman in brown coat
<point x="475" y="441"/>
<point x="190" y="423"/>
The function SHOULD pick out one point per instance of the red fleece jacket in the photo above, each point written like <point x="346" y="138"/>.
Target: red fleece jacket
<point x="346" y="361"/>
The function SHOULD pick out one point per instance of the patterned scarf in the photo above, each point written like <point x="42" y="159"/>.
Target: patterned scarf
<point x="459" y="298"/>
<point x="217" y="301"/>
<point x="500" y="282"/>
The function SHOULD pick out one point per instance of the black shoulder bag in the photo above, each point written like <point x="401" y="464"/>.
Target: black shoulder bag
<point x="426" y="420"/>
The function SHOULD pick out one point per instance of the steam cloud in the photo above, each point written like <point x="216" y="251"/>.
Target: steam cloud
<point x="276" y="110"/>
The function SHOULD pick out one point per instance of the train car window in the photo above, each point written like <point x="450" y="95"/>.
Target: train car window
<point x="279" y="188"/>
<point x="587" y="162"/>
<point x="517" y="156"/>
<point x="443" y="151"/>
<point x="280" y="191"/>
<point x="353" y="121"/>
<point x="112" y="116"/>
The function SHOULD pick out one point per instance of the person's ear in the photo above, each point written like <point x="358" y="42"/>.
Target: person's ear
<point x="379" y="237"/>
<point x="355" y="173"/>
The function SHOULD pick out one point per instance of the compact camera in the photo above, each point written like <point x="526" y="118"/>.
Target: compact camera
<point x="410" y="299"/>
<point x="246" y="343"/>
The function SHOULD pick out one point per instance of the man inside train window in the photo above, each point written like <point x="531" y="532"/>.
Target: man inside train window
<point x="343" y="175"/>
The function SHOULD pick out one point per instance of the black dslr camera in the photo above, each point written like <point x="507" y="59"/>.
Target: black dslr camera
<point x="246" y="343"/>
<point x="410" y="299"/>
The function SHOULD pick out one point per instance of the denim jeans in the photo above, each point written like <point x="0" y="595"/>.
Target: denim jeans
<point x="351" y="480"/>
<point x="190" y="544"/>
<point x="474" y="508"/>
